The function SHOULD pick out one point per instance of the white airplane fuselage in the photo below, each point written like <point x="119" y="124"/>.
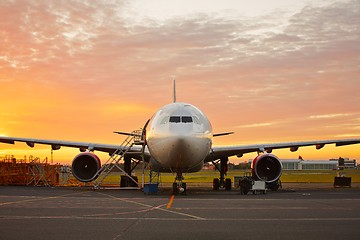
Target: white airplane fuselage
<point x="179" y="138"/>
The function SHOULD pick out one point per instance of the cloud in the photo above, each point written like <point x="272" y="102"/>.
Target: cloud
<point x="256" y="125"/>
<point x="75" y="57"/>
<point x="74" y="34"/>
<point x="334" y="115"/>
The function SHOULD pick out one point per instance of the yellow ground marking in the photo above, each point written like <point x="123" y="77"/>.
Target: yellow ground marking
<point x="170" y="202"/>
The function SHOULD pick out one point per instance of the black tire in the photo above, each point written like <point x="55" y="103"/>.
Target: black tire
<point x="175" y="189"/>
<point x="274" y="187"/>
<point x="131" y="183"/>
<point x="228" y="184"/>
<point x="184" y="187"/>
<point x="125" y="181"/>
<point x="245" y="185"/>
<point x="216" y="184"/>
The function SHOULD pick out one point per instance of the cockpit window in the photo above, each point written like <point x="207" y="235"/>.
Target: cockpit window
<point x="174" y="119"/>
<point x="183" y="119"/>
<point x="186" y="119"/>
<point x="165" y="120"/>
<point x="196" y="120"/>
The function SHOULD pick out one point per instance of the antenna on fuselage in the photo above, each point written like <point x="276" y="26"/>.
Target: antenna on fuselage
<point x="174" y="91"/>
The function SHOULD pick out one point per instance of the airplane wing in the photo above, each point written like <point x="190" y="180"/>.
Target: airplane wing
<point x="228" y="151"/>
<point x="216" y="151"/>
<point x="57" y="144"/>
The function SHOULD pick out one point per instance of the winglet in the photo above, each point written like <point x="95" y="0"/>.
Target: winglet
<point x="174" y="91"/>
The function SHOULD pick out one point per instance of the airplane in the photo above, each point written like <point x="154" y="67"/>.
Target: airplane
<point x="178" y="139"/>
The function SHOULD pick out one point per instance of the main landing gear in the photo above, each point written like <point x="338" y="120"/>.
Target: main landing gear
<point x="126" y="181"/>
<point x="222" y="182"/>
<point x="178" y="185"/>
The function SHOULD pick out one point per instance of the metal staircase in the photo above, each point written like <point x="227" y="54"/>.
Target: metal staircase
<point x="135" y="138"/>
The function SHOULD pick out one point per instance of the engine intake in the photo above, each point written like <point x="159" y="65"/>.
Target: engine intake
<point x="85" y="166"/>
<point x="266" y="167"/>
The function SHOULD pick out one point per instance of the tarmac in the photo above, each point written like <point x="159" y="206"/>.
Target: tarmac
<point x="295" y="212"/>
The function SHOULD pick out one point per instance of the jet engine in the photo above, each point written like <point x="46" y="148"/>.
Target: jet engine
<point x="85" y="166"/>
<point x="266" y="167"/>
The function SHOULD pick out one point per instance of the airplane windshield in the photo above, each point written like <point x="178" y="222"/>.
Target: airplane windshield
<point x="186" y="119"/>
<point x="183" y="119"/>
<point x="174" y="119"/>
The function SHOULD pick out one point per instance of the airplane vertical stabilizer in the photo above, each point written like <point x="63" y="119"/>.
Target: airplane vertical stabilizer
<point x="174" y="91"/>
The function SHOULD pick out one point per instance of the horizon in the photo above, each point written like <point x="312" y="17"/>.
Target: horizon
<point x="48" y="160"/>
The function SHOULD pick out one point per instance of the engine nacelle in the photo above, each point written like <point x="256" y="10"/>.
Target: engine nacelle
<point x="85" y="166"/>
<point x="266" y="167"/>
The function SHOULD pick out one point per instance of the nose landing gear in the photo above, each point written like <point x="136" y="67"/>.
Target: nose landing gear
<point x="179" y="187"/>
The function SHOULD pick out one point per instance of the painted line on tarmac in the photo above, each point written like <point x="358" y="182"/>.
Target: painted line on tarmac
<point x="178" y="219"/>
<point x="33" y="199"/>
<point x="123" y="213"/>
<point x="250" y="199"/>
<point x="153" y="207"/>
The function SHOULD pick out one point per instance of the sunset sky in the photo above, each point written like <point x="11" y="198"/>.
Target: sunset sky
<point x="272" y="71"/>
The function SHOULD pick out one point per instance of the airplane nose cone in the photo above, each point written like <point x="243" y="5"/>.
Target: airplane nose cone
<point x="187" y="151"/>
<point x="180" y="152"/>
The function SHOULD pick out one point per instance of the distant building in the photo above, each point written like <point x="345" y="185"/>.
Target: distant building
<point x="298" y="164"/>
<point x="332" y="164"/>
<point x="345" y="163"/>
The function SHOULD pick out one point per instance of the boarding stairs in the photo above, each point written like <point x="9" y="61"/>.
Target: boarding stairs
<point x="135" y="138"/>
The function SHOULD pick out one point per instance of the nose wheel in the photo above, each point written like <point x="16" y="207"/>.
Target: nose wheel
<point x="179" y="187"/>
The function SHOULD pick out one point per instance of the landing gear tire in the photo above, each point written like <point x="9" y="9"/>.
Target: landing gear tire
<point x="125" y="181"/>
<point x="245" y="185"/>
<point x="184" y="188"/>
<point x="274" y="186"/>
<point x="176" y="190"/>
<point x="228" y="184"/>
<point x="216" y="184"/>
